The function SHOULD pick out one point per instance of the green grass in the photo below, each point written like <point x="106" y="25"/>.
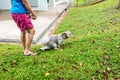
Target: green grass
<point x="80" y="3"/>
<point x="92" y="53"/>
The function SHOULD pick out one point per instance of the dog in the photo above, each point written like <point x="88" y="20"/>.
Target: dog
<point x="54" y="41"/>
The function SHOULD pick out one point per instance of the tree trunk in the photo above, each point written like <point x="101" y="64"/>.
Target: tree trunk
<point x="118" y="4"/>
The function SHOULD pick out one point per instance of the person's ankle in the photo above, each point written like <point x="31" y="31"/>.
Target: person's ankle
<point x="26" y="51"/>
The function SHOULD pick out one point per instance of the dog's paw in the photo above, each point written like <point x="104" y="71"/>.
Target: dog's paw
<point x="42" y="49"/>
<point x="56" y="48"/>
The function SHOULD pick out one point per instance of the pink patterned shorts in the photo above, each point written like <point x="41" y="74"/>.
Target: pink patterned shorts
<point x="23" y="21"/>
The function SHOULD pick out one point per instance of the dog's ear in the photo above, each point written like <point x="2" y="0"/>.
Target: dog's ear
<point x="64" y="35"/>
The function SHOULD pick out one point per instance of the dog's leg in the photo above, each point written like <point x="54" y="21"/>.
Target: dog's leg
<point x="55" y="46"/>
<point x="58" y="46"/>
<point x="44" y="48"/>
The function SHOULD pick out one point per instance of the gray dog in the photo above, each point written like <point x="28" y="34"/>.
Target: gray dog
<point x="55" y="40"/>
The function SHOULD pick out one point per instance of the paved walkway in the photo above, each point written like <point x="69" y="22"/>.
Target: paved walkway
<point x="9" y="32"/>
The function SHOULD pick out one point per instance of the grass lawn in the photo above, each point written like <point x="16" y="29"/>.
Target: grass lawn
<point x="80" y="3"/>
<point x="92" y="53"/>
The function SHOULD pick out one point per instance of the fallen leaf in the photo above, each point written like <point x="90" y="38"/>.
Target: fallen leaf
<point x="106" y="57"/>
<point x="105" y="74"/>
<point x="108" y="69"/>
<point x="6" y="69"/>
<point x="104" y="63"/>
<point x="92" y="40"/>
<point x="117" y="46"/>
<point x="13" y="65"/>
<point x="61" y="49"/>
<point x="44" y="67"/>
<point x="47" y="74"/>
<point x="14" y="62"/>
<point x="93" y="78"/>
<point x="81" y="64"/>
<point x="74" y="66"/>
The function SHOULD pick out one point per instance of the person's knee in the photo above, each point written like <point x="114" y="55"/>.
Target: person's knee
<point x="32" y="31"/>
<point x="23" y="33"/>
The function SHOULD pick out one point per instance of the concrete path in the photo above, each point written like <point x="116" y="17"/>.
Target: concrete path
<point x="9" y="32"/>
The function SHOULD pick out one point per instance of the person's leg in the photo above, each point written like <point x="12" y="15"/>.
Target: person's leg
<point x="29" y="39"/>
<point x="23" y="39"/>
<point x="24" y="23"/>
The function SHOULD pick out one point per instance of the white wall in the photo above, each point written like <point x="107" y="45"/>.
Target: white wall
<point x="33" y="3"/>
<point x="42" y="5"/>
<point x="52" y="3"/>
<point x="5" y="4"/>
